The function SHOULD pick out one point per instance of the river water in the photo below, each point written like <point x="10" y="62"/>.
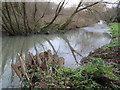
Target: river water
<point x="81" y="41"/>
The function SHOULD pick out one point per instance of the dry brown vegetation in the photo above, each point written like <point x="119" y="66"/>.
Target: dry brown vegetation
<point x="39" y="63"/>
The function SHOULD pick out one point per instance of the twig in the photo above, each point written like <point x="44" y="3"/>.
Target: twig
<point x="31" y="56"/>
<point x="17" y="71"/>
<point x="23" y="66"/>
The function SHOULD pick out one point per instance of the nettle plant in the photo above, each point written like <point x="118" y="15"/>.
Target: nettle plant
<point x="90" y="75"/>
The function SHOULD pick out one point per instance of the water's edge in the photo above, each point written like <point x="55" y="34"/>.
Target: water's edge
<point x="80" y="40"/>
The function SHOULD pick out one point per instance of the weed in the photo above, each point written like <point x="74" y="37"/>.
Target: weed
<point x="83" y="77"/>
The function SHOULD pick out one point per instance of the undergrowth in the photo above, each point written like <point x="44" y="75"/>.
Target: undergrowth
<point x="87" y="76"/>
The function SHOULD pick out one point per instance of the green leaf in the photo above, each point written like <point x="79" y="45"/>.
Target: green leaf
<point x="61" y="83"/>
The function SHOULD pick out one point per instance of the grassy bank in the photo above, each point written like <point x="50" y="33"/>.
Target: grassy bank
<point x="115" y="29"/>
<point x="109" y="53"/>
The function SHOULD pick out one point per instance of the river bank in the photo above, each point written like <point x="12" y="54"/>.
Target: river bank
<point x="96" y="71"/>
<point x="111" y="51"/>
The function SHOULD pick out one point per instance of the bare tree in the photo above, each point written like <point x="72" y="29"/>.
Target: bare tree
<point x="36" y="21"/>
<point x="58" y="9"/>
<point x="16" y="19"/>
<point x="25" y="17"/>
<point x="78" y="9"/>
<point x="8" y="17"/>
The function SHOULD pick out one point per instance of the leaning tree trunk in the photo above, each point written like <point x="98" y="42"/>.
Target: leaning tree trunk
<point x="58" y="10"/>
<point x="78" y="9"/>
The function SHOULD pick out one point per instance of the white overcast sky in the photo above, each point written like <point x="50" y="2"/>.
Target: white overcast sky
<point x="75" y="2"/>
<point x="70" y="2"/>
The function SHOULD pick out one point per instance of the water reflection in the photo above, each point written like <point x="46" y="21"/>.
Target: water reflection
<point x="72" y="46"/>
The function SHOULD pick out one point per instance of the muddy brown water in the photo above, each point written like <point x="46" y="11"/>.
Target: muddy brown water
<point x="81" y="41"/>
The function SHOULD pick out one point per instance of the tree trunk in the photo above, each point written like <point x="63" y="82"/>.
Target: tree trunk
<point x="64" y="25"/>
<point x="58" y="9"/>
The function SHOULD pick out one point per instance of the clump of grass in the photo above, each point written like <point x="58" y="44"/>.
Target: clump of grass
<point x="114" y="43"/>
<point x="115" y="29"/>
<point x="115" y="33"/>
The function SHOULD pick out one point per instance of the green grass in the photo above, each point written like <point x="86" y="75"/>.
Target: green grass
<point x="115" y="42"/>
<point x="115" y="29"/>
